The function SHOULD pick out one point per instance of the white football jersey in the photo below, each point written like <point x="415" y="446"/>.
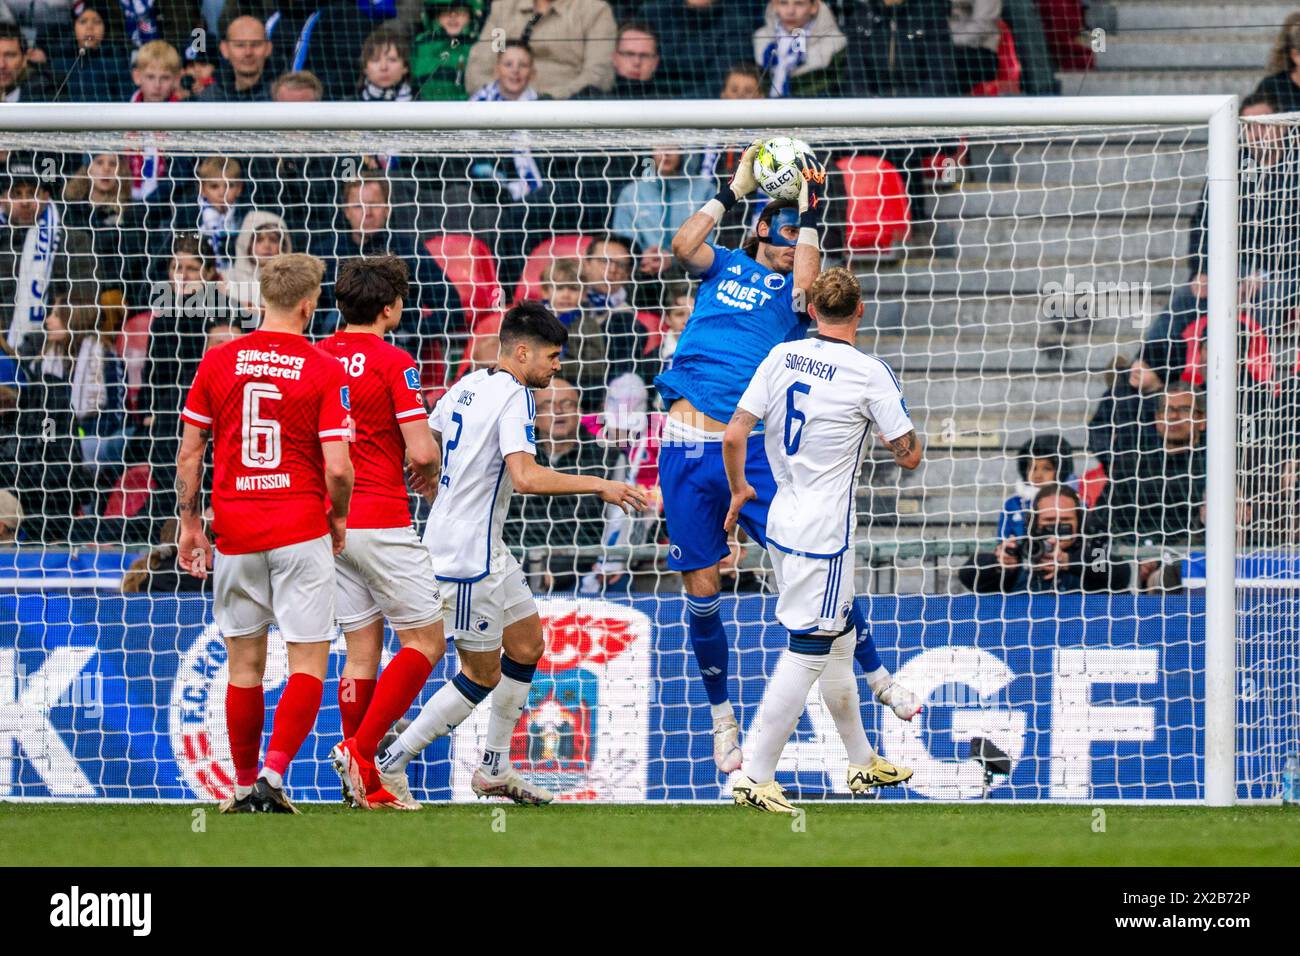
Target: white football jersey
<point x="818" y="398"/>
<point x="482" y="419"/>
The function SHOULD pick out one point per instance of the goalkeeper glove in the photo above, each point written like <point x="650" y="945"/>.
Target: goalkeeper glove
<point x="812" y="192"/>
<point x="742" y="181"/>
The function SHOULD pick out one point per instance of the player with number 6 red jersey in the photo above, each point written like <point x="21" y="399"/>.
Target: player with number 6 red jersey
<point x="275" y="406"/>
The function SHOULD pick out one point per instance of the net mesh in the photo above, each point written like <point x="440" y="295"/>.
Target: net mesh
<point x="1035" y="289"/>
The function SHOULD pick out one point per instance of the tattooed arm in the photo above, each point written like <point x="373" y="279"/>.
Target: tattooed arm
<point x="735" y="443"/>
<point x="193" y="550"/>
<point x="907" y="450"/>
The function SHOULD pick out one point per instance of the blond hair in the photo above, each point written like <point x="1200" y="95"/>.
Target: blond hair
<point x="160" y="54"/>
<point x="561" y="273"/>
<point x="289" y="278"/>
<point x="835" y="294"/>
<point x="218" y="167"/>
<point x="1288" y="39"/>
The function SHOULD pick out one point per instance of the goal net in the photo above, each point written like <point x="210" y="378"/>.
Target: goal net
<point x="1038" y="288"/>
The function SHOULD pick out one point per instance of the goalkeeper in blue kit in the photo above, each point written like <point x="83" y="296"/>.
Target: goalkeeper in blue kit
<point x="749" y="300"/>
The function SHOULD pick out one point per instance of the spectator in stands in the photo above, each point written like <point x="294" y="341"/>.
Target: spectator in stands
<point x="11" y="517"/>
<point x="440" y="50"/>
<point x="47" y="457"/>
<point x="899" y="48"/>
<point x="262" y="236"/>
<point x="1282" y="85"/>
<point x="98" y="395"/>
<point x="217" y="208"/>
<point x="699" y="40"/>
<point x="21" y="80"/>
<point x="362" y="228"/>
<point x="606" y="340"/>
<point x="1064" y="550"/>
<point x="96" y="68"/>
<point x="681" y="303"/>
<point x="1067" y="38"/>
<point x="177" y="327"/>
<point x="110" y="229"/>
<point x="199" y="73"/>
<point x="220" y="332"/>
<point x="298" y="87"/>
<point x="31" y="234"/>
<point x="1042" y="460"/>
<point x="744" y="81"/>
<point x="386" y="67"/>
<point x="565" y="522"/>
<point x="1268" y="234"/>
<point x="243" y="75"/>
<point x="325" y="40"/>
<point x="801" y="49"/>
<point x="653" y="206"/>
<point x="636" y="66"/>
<point x="1157" y="488"/>
<point x="157" y="76"/>
<point x="572" y="43"/>
<point x="562" y="289"/>
<point x="975" y="38"/>
<point x="1037" y="70"/>
<point x="1126" y="410"/>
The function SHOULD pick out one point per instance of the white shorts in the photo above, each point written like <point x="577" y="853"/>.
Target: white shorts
<point x="478" y="612"/>
<point x="291" y="586"/>
<point x="814" y="595"/>
<point x="385" y="572"/>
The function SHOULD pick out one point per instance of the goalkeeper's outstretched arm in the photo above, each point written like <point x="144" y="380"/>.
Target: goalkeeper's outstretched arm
<point x="807" y="250"/>
<point x="689" y="246"/>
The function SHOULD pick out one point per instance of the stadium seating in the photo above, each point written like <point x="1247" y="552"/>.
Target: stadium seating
<point x="470" y="266"/>
<point x="878" y="216"/>
<point x="570" y="246"/>
<point x="1007" y="82"/>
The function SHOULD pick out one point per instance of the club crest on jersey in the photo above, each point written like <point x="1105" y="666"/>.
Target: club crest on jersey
<point x="345" y="396"/>
<point x="413" y="379"/>
<point x="530" y="434"/>
<point x="774" y="281"/>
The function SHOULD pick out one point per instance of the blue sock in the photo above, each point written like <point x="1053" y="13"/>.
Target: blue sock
<point x="865" y="651"/>
<point x="709" y="641"/>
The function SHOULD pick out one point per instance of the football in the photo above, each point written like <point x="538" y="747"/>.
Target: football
<point x="776" y="167"/>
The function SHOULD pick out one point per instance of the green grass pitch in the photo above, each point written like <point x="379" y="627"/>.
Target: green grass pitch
<point x="860" y="834"/>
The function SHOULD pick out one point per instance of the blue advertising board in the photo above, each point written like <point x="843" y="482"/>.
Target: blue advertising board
<point x="1092" y="697"/>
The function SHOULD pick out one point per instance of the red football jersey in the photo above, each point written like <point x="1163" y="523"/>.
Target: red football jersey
<point x="384" y="391"/>
<point x="270" y="399"/>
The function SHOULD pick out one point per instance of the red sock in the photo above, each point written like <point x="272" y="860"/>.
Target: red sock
<point x="354" y="698"/>
<point x="398" y="686"/>
<point x="245" y="714"/>
<point x="294" y="716"/>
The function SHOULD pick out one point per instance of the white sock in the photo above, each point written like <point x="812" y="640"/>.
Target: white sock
<point x="508" y="700"/>
<point x="242" y="792"/>
<point x="839" y="690"/>
<point x="440" y="715"/>
<point x="783" y="702"/>
<point x="273" y="778"/>
<point x="879" y="679"/>
<point x="722" y="711"/>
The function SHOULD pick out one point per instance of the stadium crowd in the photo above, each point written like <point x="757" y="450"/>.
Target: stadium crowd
<point x="117" y="271"/>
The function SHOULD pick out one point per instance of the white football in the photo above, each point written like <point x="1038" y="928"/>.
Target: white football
<point x="776" y="167"/>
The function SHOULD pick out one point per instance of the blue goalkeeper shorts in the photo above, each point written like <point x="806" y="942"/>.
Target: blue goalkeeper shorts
<point x="696" y="496"/>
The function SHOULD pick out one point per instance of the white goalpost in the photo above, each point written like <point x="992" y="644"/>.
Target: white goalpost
<point x="1113" y="695"/>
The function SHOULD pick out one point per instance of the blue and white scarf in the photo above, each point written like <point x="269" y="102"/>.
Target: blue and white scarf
<point x="141" y="21"/>
<point x="526" y="169"/>
<point x="785" y="54"/>
<point x="615" y="300"/>
<point x="40" y="247"/>
<point x="215" y="226"/>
